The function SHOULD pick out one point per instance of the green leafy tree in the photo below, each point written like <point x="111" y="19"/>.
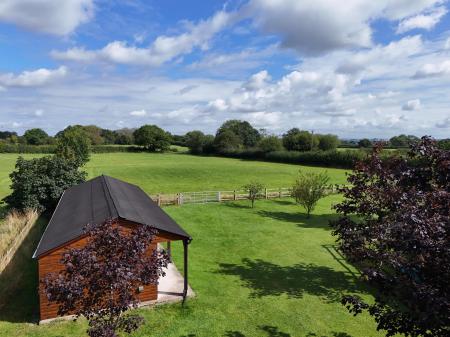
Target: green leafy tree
<point x="247" y="134"/>
<point x="108" y="136"/>
<point x="39" y="183"/>
<point x="309" y="188"/>
<point x="254" y="189"/>
<point x="403" y="140"/>
<point x="36" y="137"/>
<point x="227" y="141"/>
<point x="297" y="140"/>
<point x="270" y="144"/>
<point x="328" y="142"/>
<point x="195" y="141"/>
<point x="444" y="144"/>
<point x="364" y="143"/>
<point x="153" y="138"/>
<point x="73" y="145"/>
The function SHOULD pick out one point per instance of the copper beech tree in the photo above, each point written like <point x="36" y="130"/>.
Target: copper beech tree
<point x="395" y="227"/>
<point x="100" y="280"/>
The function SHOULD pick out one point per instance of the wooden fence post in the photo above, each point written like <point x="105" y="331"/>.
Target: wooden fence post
<point x="279" y="193"/>
<point x="158" y="200"/>
<point x="234" y="195"/>
<point x="177" y="199"/>
<point x="265" y="193"/>
<point x="219" y="197"/>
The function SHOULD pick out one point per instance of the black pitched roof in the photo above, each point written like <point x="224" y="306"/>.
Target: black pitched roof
<point x="99" y="199"/>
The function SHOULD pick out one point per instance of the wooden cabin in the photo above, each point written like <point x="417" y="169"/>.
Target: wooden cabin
<point x="96" y="201"/>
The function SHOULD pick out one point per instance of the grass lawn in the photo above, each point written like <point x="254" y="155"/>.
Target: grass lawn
<point x="169" y="172"/>
<point x="266" y="271"/>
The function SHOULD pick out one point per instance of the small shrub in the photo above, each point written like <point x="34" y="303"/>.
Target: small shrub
<point x="309" y="188"/>
<point x="254" y="189"/>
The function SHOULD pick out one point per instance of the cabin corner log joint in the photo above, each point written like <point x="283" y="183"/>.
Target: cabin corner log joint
<point x="96" y="201"/>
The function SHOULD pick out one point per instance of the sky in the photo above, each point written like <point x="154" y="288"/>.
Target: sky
<point x="359" y="68"/>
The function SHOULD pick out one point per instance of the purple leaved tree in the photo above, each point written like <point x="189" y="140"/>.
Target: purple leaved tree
<point x="100" y="280"/>
<point x="395" y="226"/>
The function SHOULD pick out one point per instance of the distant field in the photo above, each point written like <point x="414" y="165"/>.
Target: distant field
<point x="174" y="172"/>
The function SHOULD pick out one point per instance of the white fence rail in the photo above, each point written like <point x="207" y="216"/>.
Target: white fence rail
<point x="222" y="196"/>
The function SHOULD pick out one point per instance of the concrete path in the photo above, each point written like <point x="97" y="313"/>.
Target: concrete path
<point x="170" y="288"/>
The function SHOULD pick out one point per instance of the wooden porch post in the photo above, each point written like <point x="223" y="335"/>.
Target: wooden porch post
<point x="185" y="269"/>
<point x="169" y="250"/>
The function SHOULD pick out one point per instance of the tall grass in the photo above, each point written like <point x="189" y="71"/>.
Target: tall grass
<point x="12" y="225"/>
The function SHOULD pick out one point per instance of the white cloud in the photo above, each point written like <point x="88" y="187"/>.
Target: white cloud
<point x="447" y="44"/>
<point x="138" y="113"/>
<point x="32" y="78"/>
<point x="164" y="48"/>
<point x="444" y="124"/>
<point x="411" y="105"/>
<point x="315" y="27"/>
<point x="422" y="21"/>
<point x="433" y="70"/>
<point x="58" y="17"/>
<point x="39" y="112"/>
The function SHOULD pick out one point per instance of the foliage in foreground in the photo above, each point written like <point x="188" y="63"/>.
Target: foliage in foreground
<point x="99" y="281"/>
<point x="401" y="239"/>
<point x="39" y="183"/>
<point x="309" y="188"/>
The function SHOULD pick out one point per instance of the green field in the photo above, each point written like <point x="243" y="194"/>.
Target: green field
<point x="266" y="271"/>
<point x="172" y="172"/>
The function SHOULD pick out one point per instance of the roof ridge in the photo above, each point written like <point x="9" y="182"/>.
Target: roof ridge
<point x="106" y="189"/>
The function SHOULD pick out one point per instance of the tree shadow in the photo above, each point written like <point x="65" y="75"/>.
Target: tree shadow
<point x="283" y="202"/>
<point x="19" y="300"/>
<point x="271" y="331"/>
<point x="301" y="220"/>
<point x="333" y="334"/>
<point x="268" y="279"/>
<point x="241" y="204"/>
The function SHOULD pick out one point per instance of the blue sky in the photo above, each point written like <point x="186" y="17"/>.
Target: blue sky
<point x="363" y="69"/>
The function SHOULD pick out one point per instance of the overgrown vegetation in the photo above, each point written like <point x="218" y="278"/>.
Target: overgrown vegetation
<point x="401" y="238"/>
<point x="12" y="225"/>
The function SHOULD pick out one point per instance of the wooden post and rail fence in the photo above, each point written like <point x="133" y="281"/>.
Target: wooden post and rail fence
<point x="223" y="196"/>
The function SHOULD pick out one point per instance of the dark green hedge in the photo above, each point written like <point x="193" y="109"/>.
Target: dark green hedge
<point x="23" y="148"/>
<point x="338" y="159"/>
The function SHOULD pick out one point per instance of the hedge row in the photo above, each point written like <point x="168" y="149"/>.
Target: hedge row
<point x="338" y="159"/>
<point x="23" y="148"/>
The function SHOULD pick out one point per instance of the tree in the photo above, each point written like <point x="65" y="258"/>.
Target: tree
<point x="309" y="188"/>
<point x="152" y="137"/>
<point x="73" y="145"/>
<point x="296" y="140"/>
<point x="364" y="143"/>
<point x="109" y="136"/>
<point x="125" y="136"/>
<point x="99" y="280"/>
<point x="400" y="238"/>
<point x="328" y="142"/>
<point x="227" y="141"/>
<point x="247" y="134"/>
<point x="39" y="183"/>
<point x="7" y="134"/>
<point x="444" y="144"/>
<point x="195" y="141"/>
<point x="36" y="137"/>
<point x="270" y="144"/>
<point x="403" y="140"/>
<point x="254" y="189"/>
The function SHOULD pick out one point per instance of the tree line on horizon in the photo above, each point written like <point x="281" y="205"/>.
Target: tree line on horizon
<point x="231" y="136"/>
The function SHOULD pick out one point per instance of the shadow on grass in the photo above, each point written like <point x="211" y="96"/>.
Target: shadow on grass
<point x="271" y="331"/>
<point x="283" y="202"/>
<point x="240" y="204"/>
<point x="333" y="334"/>
<point x="269" y="279"/>
<point x="314" y="221"/>
<point x="18" y="282"/>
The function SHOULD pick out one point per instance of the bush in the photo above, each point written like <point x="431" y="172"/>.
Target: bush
<point x="328" y="142"/>
<point x="309" y="188"/>
<point x="340" y="159"/>
<point x="36" y="137"/>
<point x="39" y="183"/>
<point x="270" y="144"/>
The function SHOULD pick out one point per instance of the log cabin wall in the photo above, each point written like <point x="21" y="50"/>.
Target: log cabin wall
<point x="51" y="263"/>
